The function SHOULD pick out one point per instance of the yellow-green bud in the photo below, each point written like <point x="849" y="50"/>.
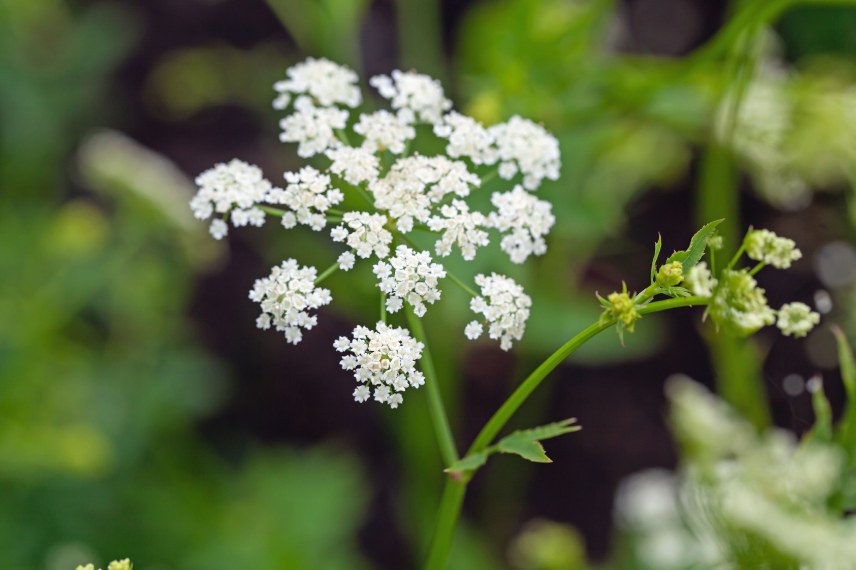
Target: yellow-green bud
<point x="670" y="274"/>
<point x="623" y="309"/>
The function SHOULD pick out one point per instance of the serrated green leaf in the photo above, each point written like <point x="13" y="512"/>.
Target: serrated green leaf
<point x="468" y="463"/>
<point x="547" y="431"/>
<point x="528" y="449"/>
<point x="658" y="245"/>
<point x="676" y="292"/>
<point x="692" y="255"/>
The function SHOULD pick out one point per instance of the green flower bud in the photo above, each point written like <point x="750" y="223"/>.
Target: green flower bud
<point x="621" y="307"/>
<point x="670" y="274"/>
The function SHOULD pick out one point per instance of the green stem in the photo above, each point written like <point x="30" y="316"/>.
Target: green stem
<point x="447" y="518"/>
<point x="435" y="400"/>
<point x="450" y="506"/>
<point x="327" y="273"/>
<point x="757" y="268"/>
<point x="736" y="257"/>
<point x="461" y="284"/>
<point x="382" y="307"/>
<point x="501" y="417"/>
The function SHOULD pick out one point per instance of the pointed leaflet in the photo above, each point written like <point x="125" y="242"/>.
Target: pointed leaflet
<point x="822" y="429"/>
<point x="529" y="449"/>
<point x="693" y="254"/>
<point x="526" y="443"/>
<point x="657" y="246"/>
<point x="468" y="463"/>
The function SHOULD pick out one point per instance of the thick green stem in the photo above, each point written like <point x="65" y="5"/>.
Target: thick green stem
<point x="447" y="518"/>
<point x="435" y="400"/>
<point x="454" y="491"/>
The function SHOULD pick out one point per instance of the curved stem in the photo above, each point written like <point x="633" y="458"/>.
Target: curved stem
<point x="504" y="413"/>
<point x="453" y="494"/>
<point x="435" y="400"/>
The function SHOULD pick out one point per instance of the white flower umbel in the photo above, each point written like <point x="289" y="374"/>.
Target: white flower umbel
<point x="309" y="194"/>
<point x="504" y="306"/>
<point x="234" y="187"/>
<point x="382" y="130"/>
<point x="699" y="280"/>
<point x="327" y="82"/>
<point x="413" y="184"/>
<point x="467" y="139"/>
<point x="312" y="128"/>
<point x="766" y="246"/>
<point x="364" y="233"/>
<point x="524" y="219"/>
<point x="354" y="165"/>
<point x="286" y="296"/>
<point x="409" y="276"/>
<point x="527" y="148"/>
<point x="383" y="362"/>
<point x="739" y="302"/>
<point x="459" y="227"/>
<point x="797" y="319"/>
<point x="415" y="96"/>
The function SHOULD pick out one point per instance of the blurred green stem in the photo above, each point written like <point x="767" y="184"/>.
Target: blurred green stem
<point x="453" y="495"/>
<point x="736" y="361"/>
<point x="435" y="400"/>
<point x="420" y="37"/>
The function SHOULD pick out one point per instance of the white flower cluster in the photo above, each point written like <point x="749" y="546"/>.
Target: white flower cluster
<point x="235" y="187"/>
<point x="355" y="165"/>
<point x="415" y="184"/>
<point x="383" y="360"/>
<point x="796" y="319"/>
<point x="124" y="564"/>
<point x="326" y="82"/>
<point x="391" y="190"/>
<point x="699" y="280"/>
<point x="527" y="148"/>
<point x="740" y="302"/>
<point x="766" y="246"/>
<point x="416" y="97"/>
<point x="525" y="220"/>
<point x="313" y="128"/>
<point x="459" y="227"/>
<point x="504" y="306"/>
<point x="286" y="296"/>
<point x="365" y="233"/>
<point x="742" y="491"/>
<point x="308" y="195"/>
<point x="519" y="145"/>
<point x="409" y="276"/>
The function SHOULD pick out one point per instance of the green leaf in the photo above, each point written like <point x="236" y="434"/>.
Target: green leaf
<point x="529" y="449"/>
<point x="847" y="364"/>
<point x="468" y="463"/>
<point x="526" y="442"/>
<point x="657" y="246"/>
<point x="847" y="424"/>
<point x="547" y="431"/>
<point x="692" y="255"/>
